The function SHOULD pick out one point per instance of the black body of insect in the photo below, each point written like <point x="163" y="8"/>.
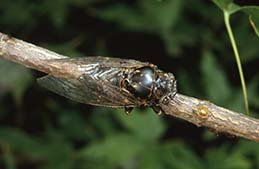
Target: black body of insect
<point x="114" y="82"/>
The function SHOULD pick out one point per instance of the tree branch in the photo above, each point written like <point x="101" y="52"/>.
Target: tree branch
<point x="198" y="112"/>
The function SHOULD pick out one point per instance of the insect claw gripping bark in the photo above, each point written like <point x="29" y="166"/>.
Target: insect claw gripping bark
<point x="128" y="110"/>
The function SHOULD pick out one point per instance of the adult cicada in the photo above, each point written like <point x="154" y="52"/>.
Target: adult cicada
<point x="113" y="82"/>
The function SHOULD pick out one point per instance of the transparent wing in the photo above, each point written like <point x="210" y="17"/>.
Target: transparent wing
<point x="98" y="83"/>
<point x="93" y="66"/>
<point x="108" y="62"/>
<point x="90" y="91"/>
<point x="70" y="89"/>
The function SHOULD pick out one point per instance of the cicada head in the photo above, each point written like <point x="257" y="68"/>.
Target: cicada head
<point x="165" y="87"/>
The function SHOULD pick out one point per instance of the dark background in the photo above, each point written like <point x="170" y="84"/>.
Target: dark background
<point x="39" y="129"/>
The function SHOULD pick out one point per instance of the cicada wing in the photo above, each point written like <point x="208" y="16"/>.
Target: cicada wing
<point x="105" y="62"/>
<point x="92" y="92"/>
<point x="69" y="88"/>
<point x="98" y="81"/>
<point x="75" y="67"/>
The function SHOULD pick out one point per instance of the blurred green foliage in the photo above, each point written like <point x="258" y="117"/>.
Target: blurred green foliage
<point x="42" y="130"/>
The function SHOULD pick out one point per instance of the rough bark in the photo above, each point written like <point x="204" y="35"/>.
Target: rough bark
<point x="198" y="112"/>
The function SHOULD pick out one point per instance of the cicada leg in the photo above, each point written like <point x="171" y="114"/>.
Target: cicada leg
<point x="128" y="110"/>
<point x="158" y="110"/>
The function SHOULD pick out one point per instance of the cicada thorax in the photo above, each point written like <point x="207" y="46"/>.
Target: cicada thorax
<point x="141" y="82"/>
<point x="149" y="85"/>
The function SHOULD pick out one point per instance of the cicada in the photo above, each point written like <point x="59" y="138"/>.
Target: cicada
<point x="113" y="82"/>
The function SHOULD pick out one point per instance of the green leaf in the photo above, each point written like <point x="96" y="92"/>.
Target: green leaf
<point x="223" y="158"/>
<point x="7" y="156"/>
<point x="178" y="156"/>
<point x="102" y="121"/>
<point x="246" y="42"/>
<point x="253" y="92"/>
<point x="236" y="103"/>
<point x="215" y="83"/>
<point x="25" y="144"/>
<point x="116" y="150"/>
<point x="124" y="16"/>
<point x="249" y="149"/>
<point x="223" y="4"/>
<point x="169" y="155"/>
<point x="16" y="79"/>
<point x="231" y="8"/>
<point x="68" y="48"/>
<point x="72" y="124"/>
<point x="151" y="16"/>
<point x="57" y="13"/>
<point x="19" y="18"/>
<point x="253" y="12"/>
<point x="162" y="14"/>
<point x="209" y="136"/>
<point x="144" y="124"/>
<point x="217" y="87"/>
<point x="185" y="81"/>
<point x="227" y="5"/>
<point x="56" y="153"/>
<point x="151" y="157"/>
